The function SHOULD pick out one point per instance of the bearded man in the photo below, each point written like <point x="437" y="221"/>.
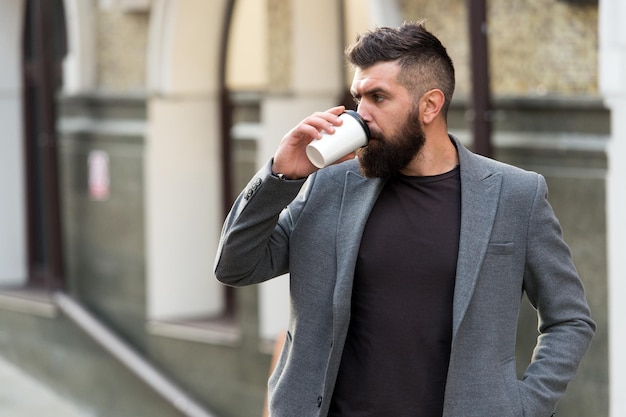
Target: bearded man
<point x="407" y="263"/>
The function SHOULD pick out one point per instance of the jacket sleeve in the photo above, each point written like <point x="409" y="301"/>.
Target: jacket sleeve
<point x="254" y="243"/>
<point x="556" y="291"/>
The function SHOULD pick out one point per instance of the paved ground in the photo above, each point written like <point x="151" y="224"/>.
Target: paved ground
<point x="23" y="396"/>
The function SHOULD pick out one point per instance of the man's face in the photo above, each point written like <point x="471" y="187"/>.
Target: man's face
<point x="389" y="153"/>
<point x="392" y="116"/>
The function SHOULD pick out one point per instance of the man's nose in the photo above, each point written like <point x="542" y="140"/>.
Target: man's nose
<point x="361" y="109"/>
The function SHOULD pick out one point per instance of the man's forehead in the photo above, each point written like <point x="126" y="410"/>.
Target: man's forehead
<point x="378" y="76"/>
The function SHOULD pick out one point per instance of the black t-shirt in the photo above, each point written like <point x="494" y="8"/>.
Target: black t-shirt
<point x="395" y="360"/>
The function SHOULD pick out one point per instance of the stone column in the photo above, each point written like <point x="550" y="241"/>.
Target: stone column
<point x="613" y="88"/>
<point x="182" y="158"/>
<point x="13" y="257"/>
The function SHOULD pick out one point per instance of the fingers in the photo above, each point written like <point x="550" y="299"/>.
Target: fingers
<point x="290" y="158"/>
<point x="313" y="126"/>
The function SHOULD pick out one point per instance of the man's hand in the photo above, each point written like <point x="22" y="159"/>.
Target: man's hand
<point x="290" y="158"/>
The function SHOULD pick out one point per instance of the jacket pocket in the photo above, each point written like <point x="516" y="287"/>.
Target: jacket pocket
<point x="501" y="248"/>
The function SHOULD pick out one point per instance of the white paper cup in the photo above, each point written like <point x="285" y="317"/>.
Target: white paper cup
<point x="350" y="136"/>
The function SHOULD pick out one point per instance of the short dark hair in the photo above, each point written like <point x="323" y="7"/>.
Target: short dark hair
<point x="424" y="61"/>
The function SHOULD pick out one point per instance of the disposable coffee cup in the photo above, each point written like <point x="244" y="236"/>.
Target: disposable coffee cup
<point x="350" y="136"/>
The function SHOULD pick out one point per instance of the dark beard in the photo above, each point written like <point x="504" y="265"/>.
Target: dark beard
<point x="386" y="156"/>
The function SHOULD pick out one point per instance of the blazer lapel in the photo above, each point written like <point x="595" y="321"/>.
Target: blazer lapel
<point x="480" y="190"/>
<point x="359" y="197"/>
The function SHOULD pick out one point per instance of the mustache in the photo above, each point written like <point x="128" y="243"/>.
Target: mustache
<point x="376" y="135"/>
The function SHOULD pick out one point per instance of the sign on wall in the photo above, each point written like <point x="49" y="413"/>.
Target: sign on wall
<point x="99" y="180"/>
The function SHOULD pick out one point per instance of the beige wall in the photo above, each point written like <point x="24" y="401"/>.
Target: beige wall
<point x="247" y="51"/>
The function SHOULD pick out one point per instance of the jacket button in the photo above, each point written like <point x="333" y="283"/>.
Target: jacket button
<point x="319" y="401"/>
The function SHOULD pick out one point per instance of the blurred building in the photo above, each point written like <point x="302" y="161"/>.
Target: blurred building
<point x="129" y="126"/>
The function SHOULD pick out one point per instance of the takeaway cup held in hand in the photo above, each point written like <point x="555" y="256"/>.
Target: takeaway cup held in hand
<point x="350" y="136"/>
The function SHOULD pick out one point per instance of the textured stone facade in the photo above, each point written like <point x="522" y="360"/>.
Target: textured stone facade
<point x="537" y="47"/>
<point x="279" y="20"/>
<point x="122" y="40"/>
<point x="447" y="19"/>
<point x="543" y="47"/>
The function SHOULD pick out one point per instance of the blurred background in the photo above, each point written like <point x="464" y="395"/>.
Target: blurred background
<point x="129" y="127"/>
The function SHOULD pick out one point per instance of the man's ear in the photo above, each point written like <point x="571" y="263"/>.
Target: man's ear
<point x="431" y="103"/>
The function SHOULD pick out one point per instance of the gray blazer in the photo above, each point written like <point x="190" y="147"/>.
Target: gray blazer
<point x="510" y="242"/>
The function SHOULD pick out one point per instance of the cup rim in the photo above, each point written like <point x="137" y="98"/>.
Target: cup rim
<point x="359" y="119"/>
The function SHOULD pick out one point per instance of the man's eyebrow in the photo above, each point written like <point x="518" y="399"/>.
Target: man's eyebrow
<point x="370" y="92"/>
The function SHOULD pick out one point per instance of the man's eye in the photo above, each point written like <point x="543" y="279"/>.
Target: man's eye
<point x="378" y="98"/>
